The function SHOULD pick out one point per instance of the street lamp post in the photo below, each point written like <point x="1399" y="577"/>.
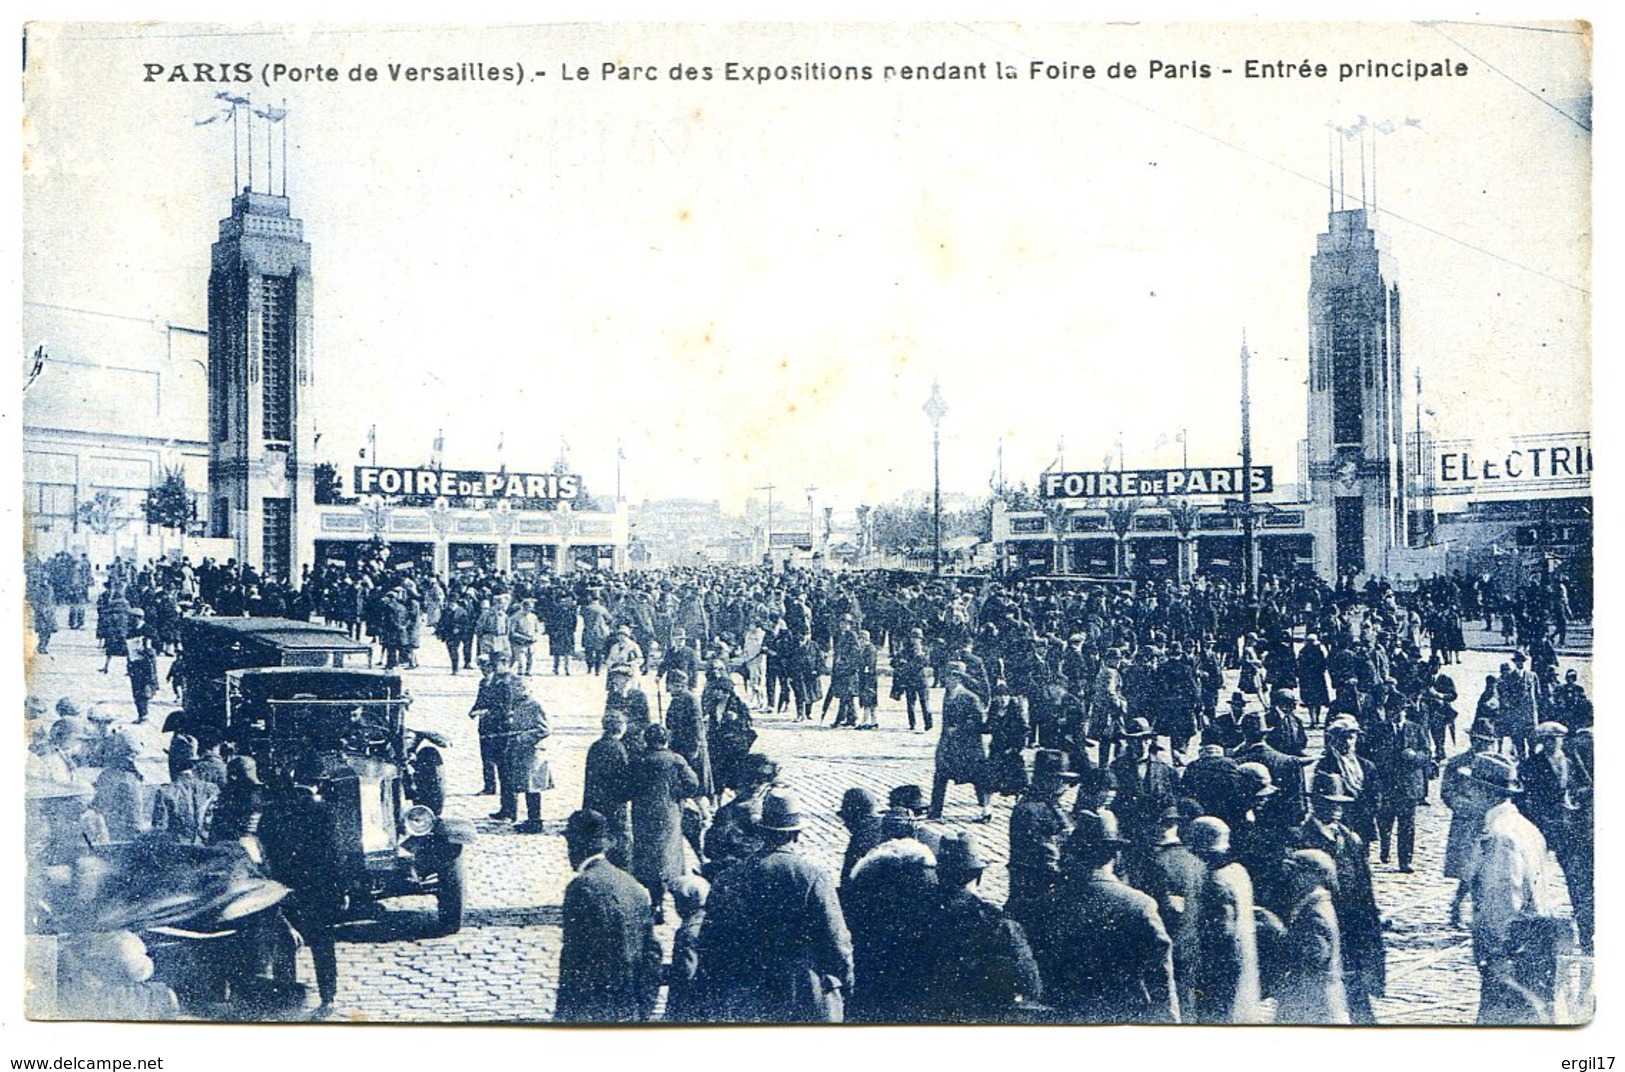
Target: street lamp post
<point x="767" y="529"/>
<point x="936" y="409"/>
<point x="812" y="541"/>
<point x="1249" y="520"/>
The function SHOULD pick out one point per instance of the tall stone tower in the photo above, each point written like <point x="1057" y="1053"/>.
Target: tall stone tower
<point x="261" y="443"/>
<point x="1356" y="444"/>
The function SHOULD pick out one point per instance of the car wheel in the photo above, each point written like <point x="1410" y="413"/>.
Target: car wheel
<point x="450" y="897"/>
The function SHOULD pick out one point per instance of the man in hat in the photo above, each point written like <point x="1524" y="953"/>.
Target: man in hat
<point x="142" y="667"/>
<point x="524" y="628"/>
<point x="560" y="619"/>
<point x="493" y="704"/>
<point x="661" y="780"/>
<point x="1108" y="705"/>
<point x="1402" y="756"/>
<point x="1038" y="826"/>
<point x="623" y="695"/>
<point x="1569" y="699"/>
<point x="860" y="814"/>
<point x="182" y="809"/>
<point x="1225" y="984"/>
<point x="1358" y="920"/>
<point x="610" y="960"/>
<point x="1260" y="847"/>
<point x="911" y="799"/>
<point x="1310" y="989"/>
<point x="908" y="677"/>
<point x="1174" y="878"/>
<point x="775" y="948"/>
<point x="523" y="768"/>
<point x="299" y="832"/>
<point x="1287" y="734"/>
<point x="1287" y="807"/>
<point x="682" y="657"/>
<point x="1342" y="757"/>
<point x="1508" y="882"/>
<point x="1466" y="807"/>
<point x="1145" y="789"/>
<point x="1180" y="689"/>
<point x="608" y="787"/>
<point x="1312" y="682"/>
<point x="1224" y="729"/>
<point x="961" y="752"/>
<point x="1102" y="950"/>
<point x="843" y="673"/>
<point x="982" y="968"/>
<point x="1548" y="798"/>
<point x="689" y="731"/>
<point x="1516" y="693"/>
<point x="733" y="835"/>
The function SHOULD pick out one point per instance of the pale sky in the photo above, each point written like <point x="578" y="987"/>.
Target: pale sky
<point x="749" y="284"/>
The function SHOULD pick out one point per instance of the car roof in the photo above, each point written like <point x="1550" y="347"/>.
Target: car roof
<point x="284" y="632"/>
<point x="324" y="671"/>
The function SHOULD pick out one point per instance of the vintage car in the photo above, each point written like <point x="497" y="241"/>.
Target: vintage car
<point x="302" y="696"/>
<point x="345" y="730"/>
<point x="210" y="647"/>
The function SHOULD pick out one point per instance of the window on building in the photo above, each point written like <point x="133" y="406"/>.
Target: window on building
<point x="1348" y="394"/>
<point x="1349" y="536"/>
<point x="51" y="507"/>
<point x="277" y="532"/>
<point x="276" y="357"/>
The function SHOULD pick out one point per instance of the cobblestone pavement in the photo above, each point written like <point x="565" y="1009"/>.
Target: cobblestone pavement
<point x="503" y="965"/>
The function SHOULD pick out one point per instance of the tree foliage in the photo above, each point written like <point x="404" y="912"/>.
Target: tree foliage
<point x="103" y="514"/>
<point x="328" y="484"/>
<point x="899" y="528"/>
<point x="170" y="504"/>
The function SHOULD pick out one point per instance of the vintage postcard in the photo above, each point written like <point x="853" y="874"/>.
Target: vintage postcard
<point x="637" y="523"/>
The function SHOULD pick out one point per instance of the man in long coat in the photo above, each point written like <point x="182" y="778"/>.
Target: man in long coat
<point x="609" y="964"/>
<point x="689" y="732"/>
<point x="1310" y="990"/>
<point x="775" y="948"/>
<point x="961" y="752"/>
<point x="1038" y="827"/>
<point x="982" y="967"/>
<point x="660" y="779"/>
<point x="493" y="704"/>
<point x="1145" y="789"/>
<point x="1225" y="983"/>
<point x="609" y="787"/>
<point x="524" y="771"/>
<point x="1359" y="923"/>
<point x="1102" y="950"/>
<point x="1313" y="688"/>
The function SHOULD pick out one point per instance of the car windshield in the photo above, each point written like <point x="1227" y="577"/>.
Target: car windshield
<point x="338" y="725"/>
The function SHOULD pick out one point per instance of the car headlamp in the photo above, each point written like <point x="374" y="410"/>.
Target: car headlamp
<point x="418" y="821"/>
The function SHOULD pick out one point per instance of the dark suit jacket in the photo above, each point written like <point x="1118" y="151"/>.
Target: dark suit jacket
<point x="1104" y="955"/>
<point x="1142" y="798"/>
<point x="609" y="966"/>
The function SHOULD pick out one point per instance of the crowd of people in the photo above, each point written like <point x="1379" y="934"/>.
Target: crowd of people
<point x="1156" y="890"/>
<point x="1176" y="854"/>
